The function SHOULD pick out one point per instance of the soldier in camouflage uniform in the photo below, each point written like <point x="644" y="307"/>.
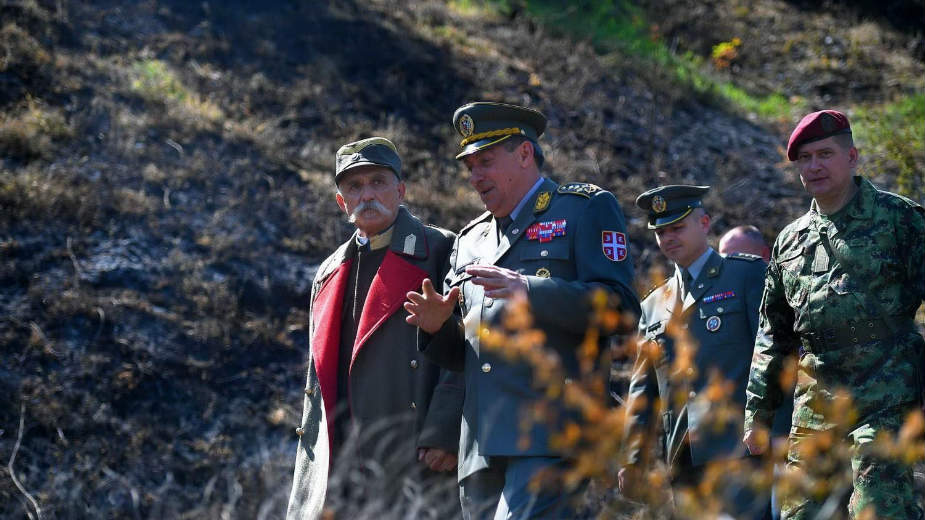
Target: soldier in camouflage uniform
<point x="842" y="289"/>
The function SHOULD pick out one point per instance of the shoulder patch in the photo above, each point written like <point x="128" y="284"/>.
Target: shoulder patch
<point x="476" y="220"/>
<point x="579" y="188"/>
<point x="748" y="257"/>
<point x="654" y="288"/>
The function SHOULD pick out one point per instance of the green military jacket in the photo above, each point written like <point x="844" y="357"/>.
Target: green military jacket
<point x="841" y="291"/>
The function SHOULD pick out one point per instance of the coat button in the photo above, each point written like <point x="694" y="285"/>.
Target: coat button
<point x="515" y="231"/>
<point x="299" y="431"/>
<point x="486" y="368"/>
<point x="489" y="302"/>
<point x="719" y="309"/>
<point x="544" y="253"/>
<point x="413" y="406"/>
<point x="692" y="394"/>
<point x="414" y="363"/>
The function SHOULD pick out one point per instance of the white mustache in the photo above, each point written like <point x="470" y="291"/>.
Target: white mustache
<point x="374" y="205"/>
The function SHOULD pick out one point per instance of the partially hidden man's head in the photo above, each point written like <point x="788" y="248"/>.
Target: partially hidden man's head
<point x="681" y="225"/>
<point x="823" y="148"/>
<point x="499" y="148"/>
<point x="744" y="239"/>
<point x="369" y="183"/>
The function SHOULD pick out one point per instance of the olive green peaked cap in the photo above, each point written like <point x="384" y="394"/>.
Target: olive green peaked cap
<point x="483" y="124"/>
<point x="373" y="151"/>
<point x="669" y="204"/>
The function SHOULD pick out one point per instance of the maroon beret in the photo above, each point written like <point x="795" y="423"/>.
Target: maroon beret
<point x="815" y="127"/>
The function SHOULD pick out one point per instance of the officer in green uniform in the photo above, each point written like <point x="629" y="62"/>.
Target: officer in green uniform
<point x="716" y="299"/>
<point x="842" y="289"/>
<point x="550" y="244"/>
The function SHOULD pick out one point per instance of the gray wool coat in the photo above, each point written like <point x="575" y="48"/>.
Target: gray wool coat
<point x="390" y="381"/>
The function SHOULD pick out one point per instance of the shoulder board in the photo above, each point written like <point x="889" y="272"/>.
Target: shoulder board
<point x="653" y="289"/>
<point x="579" y="188"/>
<point x="748" y="257"/>
<point x="476" y="220"/>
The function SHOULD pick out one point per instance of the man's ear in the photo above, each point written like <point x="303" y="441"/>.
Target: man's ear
<point x="853" y="156"/>
<point x="340" y="202"/>
<point x="401" y="190"/>
<point x="525" y="152"/>
<point x="705" y="222"/>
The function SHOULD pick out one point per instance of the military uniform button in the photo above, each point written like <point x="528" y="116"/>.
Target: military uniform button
<point x="486" y="368"/>
<point x="414" y="363"/>
<point x="299" y="431"/>
<point x="515" y="231"/>
<point x="489" y="302"/>
<point x="309" y="391"/>
<point x="870" y="324"/>
<point x="568" y="380"/>
<point x="690" y="371"/>
<point x="719" y="309"/>
<point x="692" y="394"/>
<point x="544" y="253"/>
<point x="413" y="406"/>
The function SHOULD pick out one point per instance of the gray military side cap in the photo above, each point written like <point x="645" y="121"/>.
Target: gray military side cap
<point x="483" y="124"/>
<point x="373" y="151"/>
<point x="669" y="204"/>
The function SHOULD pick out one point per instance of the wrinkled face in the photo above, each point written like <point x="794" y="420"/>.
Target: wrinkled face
<point x="498" y="176"/>
<point x="370" y="196"/>
<point x="685" y="240"/>
<point x="826" y="167"/>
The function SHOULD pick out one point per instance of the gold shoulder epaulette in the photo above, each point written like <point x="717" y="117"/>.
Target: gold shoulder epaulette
<point x="579" y="188"/>
<point x="744" y="256"/>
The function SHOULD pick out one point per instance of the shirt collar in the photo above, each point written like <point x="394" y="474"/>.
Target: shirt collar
<point x="697" y="266"/>
<point x="526" y="198"/>
<point x="376" y="241"/>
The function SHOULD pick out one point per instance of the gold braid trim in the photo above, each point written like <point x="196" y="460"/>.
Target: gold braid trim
<point x="493" y="133"/>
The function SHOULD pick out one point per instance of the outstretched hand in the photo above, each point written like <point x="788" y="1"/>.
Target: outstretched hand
<point x="428" y="309"/>
<point x="498" y="282"/>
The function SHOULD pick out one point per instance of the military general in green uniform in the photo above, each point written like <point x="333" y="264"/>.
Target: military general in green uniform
<point x="842" y="289"/>
<point x="552" y="245"/>
<point x="716" y="299"/>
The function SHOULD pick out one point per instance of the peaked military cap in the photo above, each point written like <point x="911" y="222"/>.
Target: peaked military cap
<point x="483" y="124"/>
<point x="816" y="127"/>
<point x="373" y="151"/>
<point x="669" y="204"/>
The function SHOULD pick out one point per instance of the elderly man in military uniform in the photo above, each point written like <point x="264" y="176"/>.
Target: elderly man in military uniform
<point x="554" y="245"/>
<point x="373" y="404"/>
<point x="842" y="289"/>
<point x="716" y="299"/>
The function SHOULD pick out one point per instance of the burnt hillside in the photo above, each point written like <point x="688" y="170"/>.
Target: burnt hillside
<point x="166" y="192"/>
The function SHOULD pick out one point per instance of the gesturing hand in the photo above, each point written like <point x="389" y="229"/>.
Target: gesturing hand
<point x="498" y="282"/>
<point x="428" y="309"/>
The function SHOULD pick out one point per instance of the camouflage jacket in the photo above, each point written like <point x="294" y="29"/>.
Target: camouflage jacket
<point x="841" y="291"/>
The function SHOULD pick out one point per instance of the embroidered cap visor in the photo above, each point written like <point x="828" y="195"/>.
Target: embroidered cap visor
<point x="483" y="124"/>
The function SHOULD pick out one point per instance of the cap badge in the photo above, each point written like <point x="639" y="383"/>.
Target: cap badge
<point x="614" y="245"/>
<point x="713" y="323"/>
<point x="542" y="272"/>
<point x="466" y="125"/>
<point x="658" y="204"/>
<point x="542" y="202"/>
